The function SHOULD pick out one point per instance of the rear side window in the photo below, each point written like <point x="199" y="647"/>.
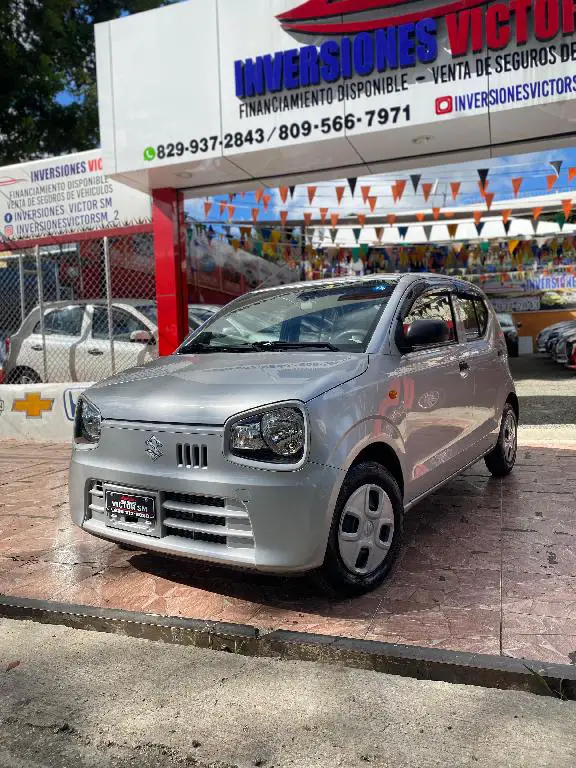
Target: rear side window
<point x="432" y="307"/>
<point x="482" y="313"/>
<point x="466" y="312"/>
<point x="123" y="324"/>
<point x="62" y="322"/>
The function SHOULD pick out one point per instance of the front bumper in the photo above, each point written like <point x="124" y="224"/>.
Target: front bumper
<point x="208" y="507"/>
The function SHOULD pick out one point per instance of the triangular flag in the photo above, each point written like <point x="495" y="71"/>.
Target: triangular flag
<point x="489" y="197"/>
<point x="415" y="179"/>
<point x="550" y="181"/>
<point x="231" y="211"/>
<point x="323" y="214"/>
<point x="420" y="216"/>
<point x="455" y="187"/>
<point x="436" y="213"/>
<point x="334" y="219"/>
<point x="207" y="208"/>
<point x="356" y="233"/>
<point x="428" y="231"/>
<point x="516" y="184"/>
<point x="284" y="194"/>
<point x="452" y="229"/>
<point x="365" y="192"/>
<point x="391" y="218"/>
<point x="379" y="233"/>
<point x="242" y="195"/>
<point x="400" y="187"/>
<point x="372" y="202"/>
<point x="394" y="193"/>
<point x="333" y="235"/>
<point x="536" y="213"/>
<point x="427" y="189"/>
<point x="402" y="231"/>
<point x="557" y="165"/>
<point x="448" y="214"/>
<point x="311" y="194"/>
<point x="571" y="174"/>
<point x="266" y="201"/>
<point x="292" y="190"/>
<point x="231" y="196"/>
<point x="477" y="216"/>
<point x="567" y="207"/>
<point x="507" y="225"/>
<point x="258" y="195"/>
<point x="307" y="218"/>
<point x="340" y="194"/>
<point x="222" y="206"/>
<point x="483" y="174"/>
<point x="255" y="213"/>
<point x="480" y="227"/>
<point x="361" y="219"/>
<point x="483" y="186"/>
<point x="506" y="215"/>
<point x="283" y="217"/>
<point x="352" y="184"/>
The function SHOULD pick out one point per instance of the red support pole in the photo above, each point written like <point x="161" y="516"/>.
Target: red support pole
<point x="170" y="262"/>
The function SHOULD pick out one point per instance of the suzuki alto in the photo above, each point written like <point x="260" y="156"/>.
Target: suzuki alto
<point x="294" y="429"/>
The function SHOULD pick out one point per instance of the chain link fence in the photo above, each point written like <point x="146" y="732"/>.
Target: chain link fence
<point x="78" y="312"/>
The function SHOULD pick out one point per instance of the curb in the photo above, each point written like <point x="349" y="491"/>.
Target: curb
<point x="501" y="672"/>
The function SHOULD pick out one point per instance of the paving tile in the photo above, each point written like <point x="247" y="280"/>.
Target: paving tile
<point x="552" y="648"/>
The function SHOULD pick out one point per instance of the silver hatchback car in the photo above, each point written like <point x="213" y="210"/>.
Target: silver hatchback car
<point x="294" y="429"/>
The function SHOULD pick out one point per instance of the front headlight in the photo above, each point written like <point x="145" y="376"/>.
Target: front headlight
<point x="273" y="436"/>
<point x="88" y="422"/>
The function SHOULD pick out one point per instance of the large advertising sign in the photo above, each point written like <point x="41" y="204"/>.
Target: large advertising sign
<point x="66" y="195"/>
<point x="211" y="91"/>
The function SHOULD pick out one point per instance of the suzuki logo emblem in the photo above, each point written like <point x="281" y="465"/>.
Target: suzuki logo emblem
<point x="154" y="448"/>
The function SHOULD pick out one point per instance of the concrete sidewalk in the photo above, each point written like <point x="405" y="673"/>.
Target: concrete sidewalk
<point x="73" y="698"/>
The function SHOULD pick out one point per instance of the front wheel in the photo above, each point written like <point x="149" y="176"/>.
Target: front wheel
<point x="366" y="532"/>
<point x="500" y="461"/>
<point x="24" y="376"/>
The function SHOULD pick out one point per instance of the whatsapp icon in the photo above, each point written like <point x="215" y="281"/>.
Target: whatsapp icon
<point x="149" y="153"/>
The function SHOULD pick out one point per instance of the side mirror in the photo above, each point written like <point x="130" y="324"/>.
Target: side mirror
<point x="142" y="337"/>
<point x="426" y="333"/>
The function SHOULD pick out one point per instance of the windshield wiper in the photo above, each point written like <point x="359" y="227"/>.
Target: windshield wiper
<point x="280" y="345"/>
<point x="199" y="349"/>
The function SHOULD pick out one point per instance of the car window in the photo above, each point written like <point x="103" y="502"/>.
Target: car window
<point x="62" y="322"/>
<point x="123" y="324"/>
<point x="433" y="306"/>
<point x="149" y="311"/>
<point x="482" y="314"/>
<point x="466" y="312"/>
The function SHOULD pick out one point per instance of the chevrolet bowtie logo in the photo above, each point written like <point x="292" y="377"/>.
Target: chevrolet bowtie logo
<point x="33" y="405"/>
<point x="154" y="448"/>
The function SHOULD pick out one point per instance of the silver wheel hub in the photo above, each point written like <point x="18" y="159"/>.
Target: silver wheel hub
<point x="366" y="529"/>
<point x="509" y="437"/>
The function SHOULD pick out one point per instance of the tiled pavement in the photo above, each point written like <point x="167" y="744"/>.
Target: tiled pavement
<point x="489" y="566"/>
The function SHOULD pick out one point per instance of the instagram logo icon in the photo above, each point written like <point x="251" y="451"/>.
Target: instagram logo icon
<point x="444" y="105"/>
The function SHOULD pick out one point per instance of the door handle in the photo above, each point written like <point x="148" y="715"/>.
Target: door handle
<point x="95" y="352"/>
<point x="37" y="347"/>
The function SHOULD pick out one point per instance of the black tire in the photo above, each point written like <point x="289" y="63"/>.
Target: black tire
<point x="127" y="547"/>
<point x="334" y="575"/>
<point x="500" y="461"/>
<point x="24" y="376"/>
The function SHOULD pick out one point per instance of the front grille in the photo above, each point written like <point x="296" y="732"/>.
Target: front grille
<point x="95" y="499"/>
<point x="191" y="456"/>
<point x="211" y="538"/>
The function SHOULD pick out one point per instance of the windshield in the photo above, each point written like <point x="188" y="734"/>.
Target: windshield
<point x="340" y="318"/>
<point x="149" y="311"/>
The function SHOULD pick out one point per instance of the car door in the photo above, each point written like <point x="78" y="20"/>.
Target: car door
<point x="438" y="398"/>
<point x="97" y="355"/>
<point x="485" y="356"/>
<point x="63" y="329"/>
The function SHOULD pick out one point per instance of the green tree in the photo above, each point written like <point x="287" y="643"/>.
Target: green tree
<point x="48" y="100"/>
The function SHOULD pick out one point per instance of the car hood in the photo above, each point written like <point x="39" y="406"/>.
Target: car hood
<point x="209" y="388"/>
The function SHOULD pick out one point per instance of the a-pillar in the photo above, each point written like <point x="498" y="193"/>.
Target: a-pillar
<point x="170" y="263"/>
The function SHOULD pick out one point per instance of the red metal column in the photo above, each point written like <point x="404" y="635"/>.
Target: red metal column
<point x="170" y="262"/>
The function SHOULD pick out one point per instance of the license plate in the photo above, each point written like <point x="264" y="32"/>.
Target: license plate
<point x="130" y="505"/>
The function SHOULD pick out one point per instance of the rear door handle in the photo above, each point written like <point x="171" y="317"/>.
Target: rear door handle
<point x="37" y="347"/>
<point x="95" y="352"/>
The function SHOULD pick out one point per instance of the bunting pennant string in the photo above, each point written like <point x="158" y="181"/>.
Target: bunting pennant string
<point x="551" y="181"/>
<point x="352" y="184"/>
<point x="452" y="229"/>
<point x="403" y="231"/>
<point x="258" y="195"/>
<point x="415" y="179"/>
<point x="507" y="225"/>
<point x="207" y="208"/>
<point x="323" y="214"/>
<point x="372" y="202"/>
<point x="455" y="188"/>
<point x="420" y="216"/>
<point x="333" y="235"/>
<point x="231" y="196"/>
<point x="489" y="198"/>
<point x="221" y="207"/>
<point x="266" y="201"/>
<point x="428" y="231"/>
<point x="477" y="216"/>
<point x="448" y="214"/>
<point x="365" y="192"/>
<point x="400" y="187"/>
<point x="483" y="174"/>
<point x="480" y="227"/>
<point x="255" y="213"/>
<point x="567" y="207"/>
<point x="571" y="174"/>
<point x="394" y="193"/>
<point x="436" y="213"/>
<point x="483" y="186"/>
<point x="516" y="184"/>
<point x="307" y="218"/>
<point x="283" y="217"/>
<point x="379" y="233"/>
<point x="361" y="219"/>
<point x="311" y="194"/>
<point x="391" y="218"/>
<point x="557" y="165"/>
<point x="427" y="189"/>
<point x="284" y="191"/>
<point x="231" y="212"/>
<point x="340" y="194"/>
<point x="536" y="213"/>
<point x="334" y="219"/>
<point x="356" y="233"/>
<point x="506" y="215"/>
<point x="292" y="190"/>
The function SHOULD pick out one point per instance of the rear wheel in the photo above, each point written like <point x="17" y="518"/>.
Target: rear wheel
<point x="24" y="376"/>
<point x="366" y="531"/>
<point x="501" y="460"/>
